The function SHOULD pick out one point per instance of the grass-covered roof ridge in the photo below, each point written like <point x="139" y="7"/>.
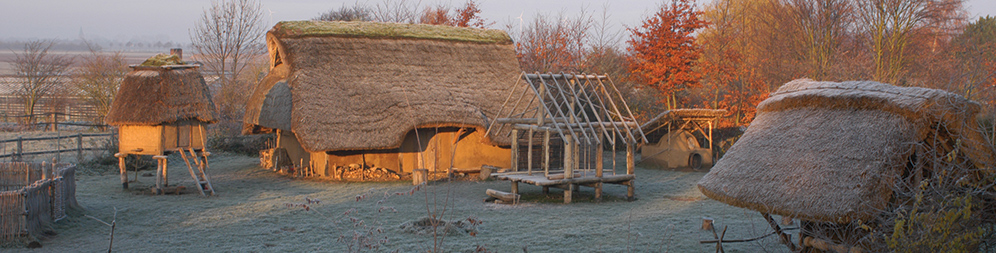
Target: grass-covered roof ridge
<point x="388" y="30"/>
<point x="161" y="60"/>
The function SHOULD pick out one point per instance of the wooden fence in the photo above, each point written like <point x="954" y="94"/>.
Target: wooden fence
<point x="34" y="196"/>
<point x="18" y="153"/>
<point x="52" y="120"/>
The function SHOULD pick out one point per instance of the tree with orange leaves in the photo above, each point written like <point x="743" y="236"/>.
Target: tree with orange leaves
<point x="663" y="52"/>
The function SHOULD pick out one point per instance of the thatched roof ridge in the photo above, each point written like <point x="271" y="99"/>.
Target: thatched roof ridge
<point x="829" y="151"/>
<point x="362" y="93"/>
<point x="291" y="29"/>
<point x="156" y="96"/>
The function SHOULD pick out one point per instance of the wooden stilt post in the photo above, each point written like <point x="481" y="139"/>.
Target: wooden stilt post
<point x="546" y="153"/>
<point x="165" y="172"/>
<point x="568" y="193"/>
<point x="599" y="166"/>
<point x="630" y="188"/>
<point x="124" y="171"/>
<point x="515" y="187"/>
<point x="515" y="150"/>
<point x="529" y="152"/>
<point x="160" y="173"/>
<point x="568" y="156"/>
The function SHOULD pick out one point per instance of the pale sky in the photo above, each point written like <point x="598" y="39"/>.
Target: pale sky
<point x="162" y="20"/>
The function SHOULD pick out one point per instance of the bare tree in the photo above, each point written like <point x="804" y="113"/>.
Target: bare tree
<point x="397" y="11"/>
<point x="41" y="72"/>
<point x="355" y="13"/>
<point x="823" y="25"/>
<point x="891" y="25"/>
<point x="97" y="78"/>
<point x="229" y="40"/>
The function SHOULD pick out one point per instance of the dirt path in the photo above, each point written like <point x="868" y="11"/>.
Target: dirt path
<point x="259" y="211"/>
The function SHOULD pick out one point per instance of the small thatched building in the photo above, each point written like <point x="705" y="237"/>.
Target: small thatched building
<point x="162" y="105"/>
<point x="834" y="152"/>
<point x="680" y="138"/>
<point x="380" y="95"/>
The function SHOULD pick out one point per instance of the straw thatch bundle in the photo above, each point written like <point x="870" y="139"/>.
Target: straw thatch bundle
<point x="364" y="85"/>
<point x="827" y="151"/>
<point x="156" y="95"/>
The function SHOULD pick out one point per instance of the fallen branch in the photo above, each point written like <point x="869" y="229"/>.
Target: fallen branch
<point x="112" y="225"/>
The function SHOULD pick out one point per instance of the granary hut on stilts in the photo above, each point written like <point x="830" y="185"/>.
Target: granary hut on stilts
<point x="162" y="107"/>
<point x="378" y="101"/>
<point x="838" y="155"/>
<point x="560" y="127"/>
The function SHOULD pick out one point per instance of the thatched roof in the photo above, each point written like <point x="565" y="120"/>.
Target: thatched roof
<point x="354" y="91"/>
<point x="157" y="95"/>
<point x="830" y="151"/>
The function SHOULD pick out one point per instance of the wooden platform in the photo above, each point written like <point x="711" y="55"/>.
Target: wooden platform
<point x="580" y="178"/>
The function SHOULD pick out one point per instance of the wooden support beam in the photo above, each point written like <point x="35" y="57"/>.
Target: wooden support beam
<point x="529" y="153"/>
<point x="568" y="193"/>
<point x="786" y="238"/>
<point x="122" y="167"/>
<point x="515" y="187"/>
<point x="515" y="149"/>
<point x="160" y="170"/>
<point x="546" y="153"/>
<point x="569" y="145"/>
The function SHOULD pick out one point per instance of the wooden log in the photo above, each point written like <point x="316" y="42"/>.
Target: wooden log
<point x="506" y="197"/>
<point x="828" y="246"/>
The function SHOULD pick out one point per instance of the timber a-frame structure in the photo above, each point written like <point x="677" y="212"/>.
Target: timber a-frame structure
<point x="561" y="131"/>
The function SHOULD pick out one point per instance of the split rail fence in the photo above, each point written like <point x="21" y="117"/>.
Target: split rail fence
<point x="19" y="153"/>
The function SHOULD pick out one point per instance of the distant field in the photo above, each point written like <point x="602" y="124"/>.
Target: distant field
<point x="7" y="57"/>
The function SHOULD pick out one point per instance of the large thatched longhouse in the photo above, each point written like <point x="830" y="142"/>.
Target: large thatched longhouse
<point x="833" y="152"/>
<point x="378" y="95"/>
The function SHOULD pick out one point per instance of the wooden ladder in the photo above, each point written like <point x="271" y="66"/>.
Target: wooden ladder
<point x="201" y="177"/>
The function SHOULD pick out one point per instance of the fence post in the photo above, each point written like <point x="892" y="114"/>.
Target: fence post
<point x="79" y="147"/>
<point x="17" y="156"/>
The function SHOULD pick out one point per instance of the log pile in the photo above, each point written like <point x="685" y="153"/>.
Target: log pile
<point x="356" y="172"/>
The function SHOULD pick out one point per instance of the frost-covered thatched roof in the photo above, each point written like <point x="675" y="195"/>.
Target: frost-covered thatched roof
<point x="156" y="95"/>
<point x="830" y="151"/>
<point x="364" y="85"/>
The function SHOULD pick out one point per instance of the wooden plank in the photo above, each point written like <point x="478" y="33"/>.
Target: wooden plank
<point x="515" y="149"/>
<point x="140" y="140"/>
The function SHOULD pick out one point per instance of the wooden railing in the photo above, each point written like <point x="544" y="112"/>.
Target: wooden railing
<point x="19" y="153"/>
<point x="51" y="120"/>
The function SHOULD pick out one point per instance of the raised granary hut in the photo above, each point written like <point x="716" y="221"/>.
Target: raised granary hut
<point x="842" y="154"/>
<point x="376" y="101"/>
<point x="162" y="107"/>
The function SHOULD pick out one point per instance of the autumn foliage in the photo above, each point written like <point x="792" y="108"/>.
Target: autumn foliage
<point x="663" y="52"/>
